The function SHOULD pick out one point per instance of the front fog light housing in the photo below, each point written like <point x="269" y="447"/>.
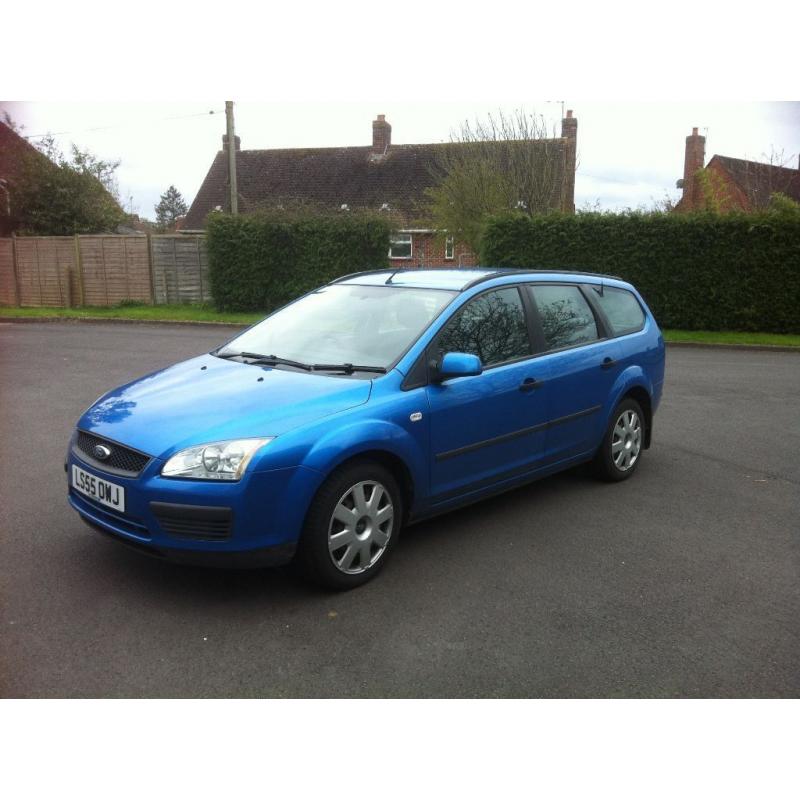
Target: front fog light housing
<point x="216" y="461"/>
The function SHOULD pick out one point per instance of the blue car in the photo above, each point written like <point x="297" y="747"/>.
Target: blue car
<point x="378" y="400"/>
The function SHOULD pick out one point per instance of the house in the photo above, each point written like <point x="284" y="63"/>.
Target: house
<point x="731" y="184"/>
<point x="382" y="177"/>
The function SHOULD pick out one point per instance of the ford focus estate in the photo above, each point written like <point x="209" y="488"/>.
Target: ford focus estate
<point x="377" y="400"/>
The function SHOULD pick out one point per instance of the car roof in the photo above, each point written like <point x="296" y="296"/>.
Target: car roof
<point x="455" y="279"/>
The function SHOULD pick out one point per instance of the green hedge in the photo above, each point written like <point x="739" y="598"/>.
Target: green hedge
<point x="696" y="271"/>
<point x="257" y="263"/>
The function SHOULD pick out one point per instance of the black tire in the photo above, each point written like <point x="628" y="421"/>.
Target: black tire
<point x="605" y="466"/>
<point x="314" y="554"/>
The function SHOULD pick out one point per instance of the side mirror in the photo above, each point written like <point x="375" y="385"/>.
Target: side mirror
<point x="458" y="365"/>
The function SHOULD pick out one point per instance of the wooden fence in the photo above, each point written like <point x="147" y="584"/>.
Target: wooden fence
<point x="180" y="269"/>
<point x="103" y="270"/>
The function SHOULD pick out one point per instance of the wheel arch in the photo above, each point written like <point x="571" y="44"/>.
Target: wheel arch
<point x="642" y="397"/>
<point x="392" y="462"/>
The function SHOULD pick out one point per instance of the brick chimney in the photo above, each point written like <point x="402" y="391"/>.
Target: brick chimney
<point x="693" y="161"/>
<point x="381" y="135"/>
<point x="569" y="131"/>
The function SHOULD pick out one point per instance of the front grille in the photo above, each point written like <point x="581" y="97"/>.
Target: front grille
<point x="122" y="459"/>
<point x="209" y="523"/>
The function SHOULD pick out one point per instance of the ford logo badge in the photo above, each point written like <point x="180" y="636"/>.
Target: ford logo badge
<point x="101" y="452"/>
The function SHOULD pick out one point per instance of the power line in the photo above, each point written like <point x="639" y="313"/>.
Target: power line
<point x="126" y="125"/>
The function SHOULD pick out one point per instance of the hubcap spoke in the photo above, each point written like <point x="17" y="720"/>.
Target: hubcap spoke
<point x="380" y="537"/>
<point x="386" y="513"/>
<point x="359" y="499"/>
<point x="375" y="499"/>
<point x="347" y="516"/>
<point x="338" y="540"/>
<point x="366" y="553"/>
<point x="349" y="556"/>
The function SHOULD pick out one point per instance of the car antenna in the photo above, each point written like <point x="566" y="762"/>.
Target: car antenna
<point x="389" y="279"/>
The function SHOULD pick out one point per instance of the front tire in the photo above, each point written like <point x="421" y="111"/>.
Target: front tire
<point x="621" y="450"/>
<point x="352" y="526"/>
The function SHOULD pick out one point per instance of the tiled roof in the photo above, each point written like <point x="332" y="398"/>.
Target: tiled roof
<point x="324" y="178"/>
<point x="759" y="181"/>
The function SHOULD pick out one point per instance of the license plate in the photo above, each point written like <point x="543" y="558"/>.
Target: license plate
<point x="105" y="492"/>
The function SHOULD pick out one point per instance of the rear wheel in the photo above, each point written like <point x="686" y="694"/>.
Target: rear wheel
<point x="621" y="449"/>
<point x="352" y="526"/>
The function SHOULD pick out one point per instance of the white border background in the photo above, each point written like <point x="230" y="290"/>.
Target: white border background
<point x="401" y="51"/>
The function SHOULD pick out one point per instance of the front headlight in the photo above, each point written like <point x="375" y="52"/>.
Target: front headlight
<point x="217" y="461"/>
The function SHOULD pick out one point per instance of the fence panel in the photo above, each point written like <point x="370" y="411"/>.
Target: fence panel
<point x="114" y="268"/>
<point x="8" y="289"/>
<point x="103" y="270"/>
<point x="180" y="269"/>
<point x="44" y="264"/>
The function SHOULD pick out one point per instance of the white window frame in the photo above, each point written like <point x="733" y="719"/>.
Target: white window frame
<point x="402" y="238"/>
<point x="450" y="248"/>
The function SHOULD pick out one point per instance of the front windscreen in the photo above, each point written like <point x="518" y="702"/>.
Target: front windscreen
<point x="342" y="323"/>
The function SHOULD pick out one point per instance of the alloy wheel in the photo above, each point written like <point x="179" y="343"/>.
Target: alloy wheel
<point x="360" y="527"/>
<point x="626" y="441"/>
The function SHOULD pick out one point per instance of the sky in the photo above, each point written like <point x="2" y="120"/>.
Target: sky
<point x="630" y="153"/>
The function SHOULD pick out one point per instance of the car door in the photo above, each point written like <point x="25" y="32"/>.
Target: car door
<point x="486" y="427"/>
<point x="580" y="363"/>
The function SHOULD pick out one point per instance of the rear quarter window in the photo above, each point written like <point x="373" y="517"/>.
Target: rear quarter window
<point x="621" y="308"/>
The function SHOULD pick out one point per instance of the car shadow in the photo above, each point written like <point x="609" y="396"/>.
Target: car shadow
<point x="285" y="585"/>
<point x="157" y="577"/>
<point x="488" y="510"/>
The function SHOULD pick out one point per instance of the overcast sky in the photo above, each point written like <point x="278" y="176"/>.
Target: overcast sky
<point x="630" y="153"/>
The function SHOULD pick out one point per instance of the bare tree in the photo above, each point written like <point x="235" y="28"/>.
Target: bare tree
<point x="664" y="205"/>
<point x="761" y="180"/>
<point x="503" y="163"/>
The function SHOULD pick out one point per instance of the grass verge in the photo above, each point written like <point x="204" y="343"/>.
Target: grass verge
<point x="202" y="313"/>
<point x="733" y="337"/>
<point x="173" y="313"/>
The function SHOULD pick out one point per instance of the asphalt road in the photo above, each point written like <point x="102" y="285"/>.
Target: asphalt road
<point x="684" y="581"/>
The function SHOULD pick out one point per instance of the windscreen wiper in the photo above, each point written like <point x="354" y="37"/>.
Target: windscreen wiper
<point x="348" y="369"/>
<point x="260" y="358"/>
<point x="271" y="360"/>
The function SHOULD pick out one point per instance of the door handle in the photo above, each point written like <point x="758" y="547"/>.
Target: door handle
<point x="608" y="362"/>
<point x="529" y="384"/>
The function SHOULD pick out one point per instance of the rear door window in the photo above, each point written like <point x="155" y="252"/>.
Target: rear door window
<point x="621" y="308"/>
<point x="567" y="319"/>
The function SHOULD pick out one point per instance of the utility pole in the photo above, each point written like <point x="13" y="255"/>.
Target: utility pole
<point x="231" y="156"/>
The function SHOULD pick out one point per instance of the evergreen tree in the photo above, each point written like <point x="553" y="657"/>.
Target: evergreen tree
<point x="169" y="208"/>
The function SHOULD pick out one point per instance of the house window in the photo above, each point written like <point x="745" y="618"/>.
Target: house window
<point x="400" y="246"/>
<point x="449" y="248"/>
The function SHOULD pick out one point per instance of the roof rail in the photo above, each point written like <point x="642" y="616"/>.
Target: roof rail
<point x="364" y="272"/>
<point x="520" y="271"/>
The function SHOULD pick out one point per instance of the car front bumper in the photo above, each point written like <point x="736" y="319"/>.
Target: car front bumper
<point x="253" y="522"/>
